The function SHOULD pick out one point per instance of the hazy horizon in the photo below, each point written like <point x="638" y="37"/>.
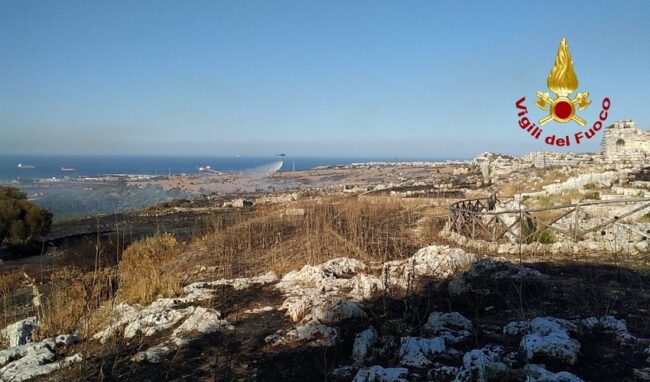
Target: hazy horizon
<point x="333" y="79"/>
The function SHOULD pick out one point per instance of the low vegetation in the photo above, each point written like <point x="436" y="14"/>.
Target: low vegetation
<point x="562" y="199"/>
<point x="540" y="178"/>
<point x="73" y="300"/>
<point x="246" y="242"/>
<point x="243" y="241"/>
<point x="146" y="269"/>
<point x="9" y="283"/>
<point x="536" y="233"/>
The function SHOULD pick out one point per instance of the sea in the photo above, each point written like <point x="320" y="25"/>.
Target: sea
<point x="16" y="167"/>
<point x="50" y="181"/>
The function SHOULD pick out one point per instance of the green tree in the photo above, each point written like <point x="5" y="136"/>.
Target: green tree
<point x="21" y="221"/>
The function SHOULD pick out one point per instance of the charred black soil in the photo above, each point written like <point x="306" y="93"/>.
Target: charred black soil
<point x="569" y="290"/>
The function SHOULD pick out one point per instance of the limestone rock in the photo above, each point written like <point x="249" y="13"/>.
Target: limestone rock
<point x="439" y="321"/>
<point x="367" y="287"/>
<point x="363" y="343"/>
<point x="27" y="361"/>
<point x="453" y="327"/>
<point x="418" y="352"/>
<point x="537" y="373"/>
<point x="202" y="320"/>
<point x="154" y="354"/>
<point x="313" y="333"/>
<point x="482" y="365"/>
<point x="20" y="332"/>
<point x="380" y="374"/>
<point x="337" y="310"/>
<point x="546" y="337"/>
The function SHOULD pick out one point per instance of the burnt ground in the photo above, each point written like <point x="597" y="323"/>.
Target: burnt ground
<point x="569" y="290"/>
<point x="74" y="242"/>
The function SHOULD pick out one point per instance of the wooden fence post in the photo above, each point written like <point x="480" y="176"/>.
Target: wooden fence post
<point x="576" y="222"/>
<point x="521" y="230"/>
<point x="494" y="228"/>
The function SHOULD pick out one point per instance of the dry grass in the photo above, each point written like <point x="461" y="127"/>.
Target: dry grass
<point x="562" y="199"/>
<point x="242" y="242"/>
<point x="77" y="301"/>
<point x="9" y="284"/>
<point x="146" y="269"/>
<point x="263" y="238"/>
<point x="524" y="184"/>
<point x="73" y="299"/>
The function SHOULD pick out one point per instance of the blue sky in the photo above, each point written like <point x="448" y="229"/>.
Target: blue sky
<point x="333" y="78"/>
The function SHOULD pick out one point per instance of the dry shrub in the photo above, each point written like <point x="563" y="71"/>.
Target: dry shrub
<point x="238" y="235"/>
<point x="562" y="199"/>
<point x="146" y="269"/>
<point x="263" y="238"/>
<point x="73" y="300"/>
<point x="9" y="283"/>
<point x="379" y="227"/>
<point x="433" y="225"/>
<point x="522" y="182"/>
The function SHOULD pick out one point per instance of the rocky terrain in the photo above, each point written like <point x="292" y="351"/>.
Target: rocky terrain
<point x="370" y="279"/>
<point x="440" y="315"/>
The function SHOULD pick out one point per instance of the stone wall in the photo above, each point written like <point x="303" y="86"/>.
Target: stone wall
<point x="542" y="159"/>
<point x="623" y="142"/>
<point x="562" y="247"/>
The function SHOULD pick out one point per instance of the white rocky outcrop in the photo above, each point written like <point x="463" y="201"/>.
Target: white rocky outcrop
<point x="431" y="262"/>
<point x="312" y="299"/>
<point x="418" y="352"/>
<point x="537" y="373"/>
<point x="20" y="332"/>
<point x="611" y="325"/>
<point x="482" y="364"/>
<point x="337" y="310"/>
<point x="314" y="333"/>
<point x="165" y="313"/>
<point x="366" y="287"/>
<point x="202" y="290"/>
<point x="379" y="374"/>
<point x="154" y="354"/>
<point x="161" y="315"/>
<point x="178" y="313"/>
<point x="263" y="309"/>
<point x="453" y="327"/>
<point x="329" y="293"/>
<point x="294" y="212"/>
<point x="33" y="359"/>
<point x="277" y="198"/>
<point x="600" y="179"/>
<point x="201" y="320"/>
<point x="363" y="343"/>
<point x="152" y="320"/>
<point x="546" y="337"/>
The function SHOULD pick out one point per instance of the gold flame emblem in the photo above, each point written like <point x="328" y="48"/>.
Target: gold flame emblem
<point x="562" y="81"/>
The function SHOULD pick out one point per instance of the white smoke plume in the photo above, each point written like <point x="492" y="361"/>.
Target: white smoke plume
<point x="263" y="170"/>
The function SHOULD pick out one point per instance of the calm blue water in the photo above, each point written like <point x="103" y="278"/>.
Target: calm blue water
<point x="50" y="166"/>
